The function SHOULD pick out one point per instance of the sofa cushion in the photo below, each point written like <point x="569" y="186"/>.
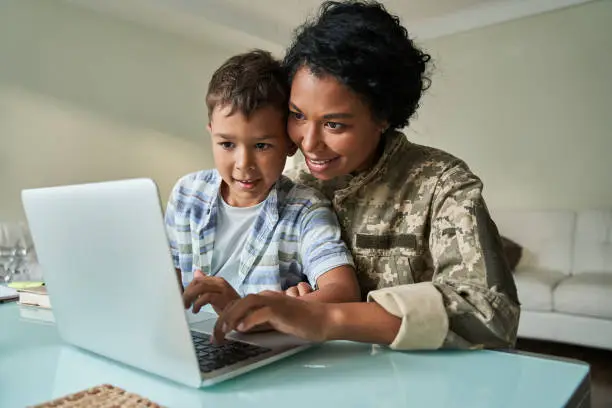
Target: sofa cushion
<point x="593" y="246"/>
<point x="587" y="294"/>
<point x="546" y="237"/>
<point x="535" y="288"/>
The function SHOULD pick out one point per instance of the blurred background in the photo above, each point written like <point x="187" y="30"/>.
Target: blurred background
<point x="94" y="90"/>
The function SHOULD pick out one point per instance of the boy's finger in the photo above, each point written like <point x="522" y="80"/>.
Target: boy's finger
<point x="198" y="274"/>
<point x="220" y="283"/>
<point x="195" y="289"/>
<point x="203" y="300"/>
<point x="190" y="295"/>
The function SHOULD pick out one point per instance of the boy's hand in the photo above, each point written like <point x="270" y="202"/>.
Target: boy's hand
<point x="307" y="320"/>
<point x="298" y="290"/>
<point x="205" y="290"/>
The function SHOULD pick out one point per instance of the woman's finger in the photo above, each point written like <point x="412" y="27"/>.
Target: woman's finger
<point x="255" y="318"/>
<point x="235" y="313"/>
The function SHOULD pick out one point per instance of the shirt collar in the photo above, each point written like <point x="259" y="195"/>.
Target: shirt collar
<point x="271" y="206"/>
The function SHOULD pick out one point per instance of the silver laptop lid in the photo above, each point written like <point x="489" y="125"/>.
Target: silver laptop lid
<point x="105" y="259"/>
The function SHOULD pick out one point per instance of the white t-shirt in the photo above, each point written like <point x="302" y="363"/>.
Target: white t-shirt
<point x="233" y="228"/>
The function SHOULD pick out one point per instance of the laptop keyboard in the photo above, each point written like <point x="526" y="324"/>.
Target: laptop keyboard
<point x="213" y="357"/>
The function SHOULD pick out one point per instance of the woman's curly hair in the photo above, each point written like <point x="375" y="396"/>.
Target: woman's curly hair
<point x="367" y="49"/>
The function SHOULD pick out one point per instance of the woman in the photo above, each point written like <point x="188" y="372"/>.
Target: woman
<point x="429" y="257"/>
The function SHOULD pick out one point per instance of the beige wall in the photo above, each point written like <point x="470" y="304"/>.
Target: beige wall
<point x="85" y="97"/>
<point x="528" y="104"/>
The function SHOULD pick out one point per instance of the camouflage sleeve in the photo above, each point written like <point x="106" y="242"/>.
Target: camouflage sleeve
<point x="470" y="270"/>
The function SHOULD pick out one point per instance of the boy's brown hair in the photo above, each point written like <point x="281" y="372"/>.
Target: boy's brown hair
<point x="248" y="82"/>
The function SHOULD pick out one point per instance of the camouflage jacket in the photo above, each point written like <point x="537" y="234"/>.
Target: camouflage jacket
<point x="418" y="226"/>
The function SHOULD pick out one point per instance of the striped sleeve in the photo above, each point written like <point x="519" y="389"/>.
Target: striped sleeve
<point x="170" y="221"/>
<point x="321" y="246"/>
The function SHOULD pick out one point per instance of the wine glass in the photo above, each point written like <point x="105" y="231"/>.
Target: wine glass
<point x="15" y="252"/>
<point x="7" y="255"/>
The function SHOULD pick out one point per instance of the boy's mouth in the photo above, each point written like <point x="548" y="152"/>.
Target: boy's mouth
<point x="247" y="183"/>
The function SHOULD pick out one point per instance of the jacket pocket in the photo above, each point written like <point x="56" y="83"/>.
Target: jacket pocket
<point x="385" y="260"/>
<point x="382" y="269"/>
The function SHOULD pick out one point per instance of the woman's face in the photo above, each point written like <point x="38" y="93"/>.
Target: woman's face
<point x="331" y="125"/>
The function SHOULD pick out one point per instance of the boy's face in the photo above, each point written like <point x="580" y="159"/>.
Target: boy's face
<point x="249" y="154"/>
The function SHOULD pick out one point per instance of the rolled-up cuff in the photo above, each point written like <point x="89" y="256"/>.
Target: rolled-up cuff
<point x="420" y="306"/>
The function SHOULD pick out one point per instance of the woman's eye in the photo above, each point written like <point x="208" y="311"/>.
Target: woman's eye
<point x="298" y="115"/>
<point x="334" y="125"/>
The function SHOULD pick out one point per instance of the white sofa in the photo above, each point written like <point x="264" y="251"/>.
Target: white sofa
<point x="564" y="278"/>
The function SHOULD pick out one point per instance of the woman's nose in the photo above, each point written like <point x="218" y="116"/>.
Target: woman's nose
<point x="311" y="139"/>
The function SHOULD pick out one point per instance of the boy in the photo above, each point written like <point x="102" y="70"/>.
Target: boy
<point x="243" y="227"/>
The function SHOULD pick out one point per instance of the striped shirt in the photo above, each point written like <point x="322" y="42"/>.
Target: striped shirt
<point x="296" y="236"/>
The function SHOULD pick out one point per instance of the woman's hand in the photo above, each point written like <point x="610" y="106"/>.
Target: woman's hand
<point x="205" y="290"/>
<point x="307" y="320"/>
<point x="314" y="321"/>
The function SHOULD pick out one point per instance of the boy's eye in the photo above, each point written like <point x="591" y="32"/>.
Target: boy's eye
<point x="262" y="146"/>
<point x="226" y="145"/>
<point x="297" y="115"/>
<point x="334" y="125"/>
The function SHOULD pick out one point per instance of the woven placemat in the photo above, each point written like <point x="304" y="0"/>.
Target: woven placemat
<point x="101" y="396"/>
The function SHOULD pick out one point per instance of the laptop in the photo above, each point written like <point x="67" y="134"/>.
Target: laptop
<point x="104" y="253"/>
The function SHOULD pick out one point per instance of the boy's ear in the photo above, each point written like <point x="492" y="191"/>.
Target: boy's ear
<point x="292" y="149"/>
<point x="209" y="128"/>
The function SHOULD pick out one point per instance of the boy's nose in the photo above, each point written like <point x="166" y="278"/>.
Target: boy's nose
<point x="244" y="161"/>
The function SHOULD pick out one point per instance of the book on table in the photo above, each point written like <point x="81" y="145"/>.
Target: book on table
<point x="36" y="296"/>
<point x="8" y="294"/>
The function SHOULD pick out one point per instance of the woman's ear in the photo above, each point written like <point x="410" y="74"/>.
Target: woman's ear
<point x="384" y="126"/>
